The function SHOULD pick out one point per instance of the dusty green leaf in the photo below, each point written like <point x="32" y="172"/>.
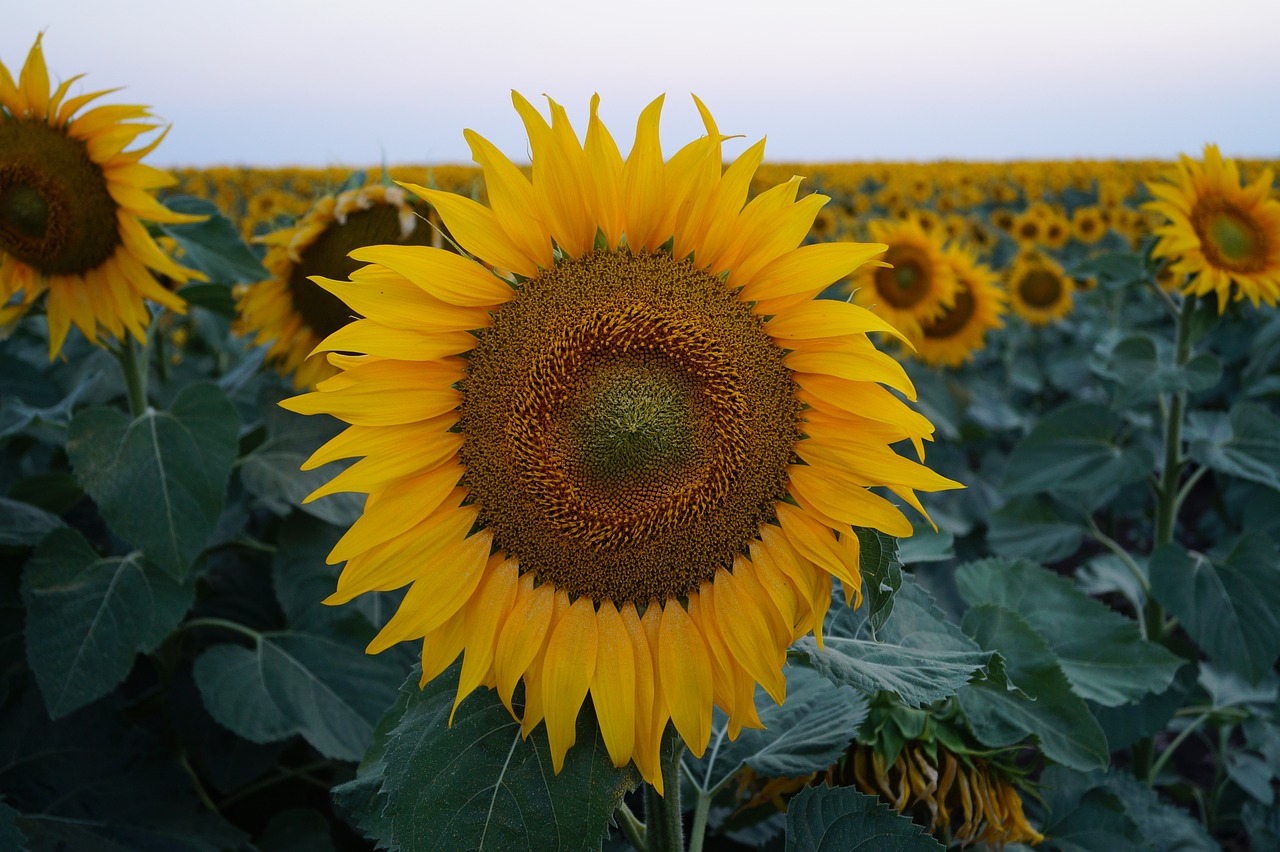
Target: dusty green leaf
<point x="1031" y="527"/>
<point x="160" y="480"/>
<point x="24" y="525"/>
<point x="1101" y="652"/>
<point x="1143" y="371"/>
<point x="1074" y="449"/>
<point x="88" y="617"/>
<point x="1244" y="443"/>
<point x="840" y="819"/>
<point x="1085" y="816"/>
<point x="881" y="574"/>
<point x="273" y="473"/>
<point x="213" y="246"/>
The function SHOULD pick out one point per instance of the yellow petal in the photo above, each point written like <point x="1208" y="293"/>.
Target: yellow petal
<point x="522" y="636"/>
<point x="392" y="300"/>
<point x="724" y="667"/>
<point x="649" y="713"/>
<point x="512" y="200"/>
<point x="567" y="675"/>
<point x="686" y="676"/>
<point x="849" y="504"/>
<point x="485" y="614"/>
<point x="401" y="507"/>
<point x="372" y="338"/>
<point x="747" y="631"/>
<point x="440" y="648"/>
<point x="605" y="162"/>
<point x="812" y="541"/>
<point x="384" y="393"/>
<point x="643" y="186"/>
<point x="827" y="318"/>
<point x="447" y="276"/>
<point x="34" y="80"/>
<point x="613" y="685"/>
<point x="477" y="230"/>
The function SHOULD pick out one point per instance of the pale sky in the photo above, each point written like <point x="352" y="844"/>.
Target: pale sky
<point x="316" y="83"/>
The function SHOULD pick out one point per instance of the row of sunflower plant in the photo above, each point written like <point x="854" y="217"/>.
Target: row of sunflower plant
<point x="623" y="461"/>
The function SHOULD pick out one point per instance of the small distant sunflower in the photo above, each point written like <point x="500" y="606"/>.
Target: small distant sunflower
<point x="616" y="488"/>
<point x="1039" y="291"/>
<point x="289" y="310"/>
<point x="953" y="338"/>
<point x="1088" y="225"/>
<point x="917" y="285"/>
<point x="70" y="200"/>
<point x="1224" y="236"/>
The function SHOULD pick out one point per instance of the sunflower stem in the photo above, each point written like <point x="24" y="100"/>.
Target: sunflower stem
<point x="134" y="366"/>
<point x="633" y="828"/>
<point x="664" y="816"/>
<point x="698" y="831"/>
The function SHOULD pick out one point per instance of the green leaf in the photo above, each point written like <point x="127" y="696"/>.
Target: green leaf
<point x="1073" y="449"/>
<point x="807" y="733"/>
<point x="159" y="481"/>
<point x="926" y="545"/>
<point x="297" y="830"/>
<point x="1169" y="828"/>
<point x="1042" y="706"/>
<point x="1129" y="723"/>
<point x="881" y="574"/>
<point x="1142" y="372"/>
<point x="213" y="246"/>
<point x="88" y="617"/>
<point x="273" y="474"/>
<point x="1119" y="268"/>
<point x="840" y="819"/>
<point x="1101" y="652"/>
<point x="11" y="836"/>
<point x="1230" y="607"/>
<point x="477" y="784"/>
<point x="24" y="524"/>
<point x="328" y="691"/>
<point x="1031" y="528"/>
<point x="217" y="298"/>
<point x="1244" y="443"/>
<point x="920" y="657"/>
<point x="1084" y="816"/>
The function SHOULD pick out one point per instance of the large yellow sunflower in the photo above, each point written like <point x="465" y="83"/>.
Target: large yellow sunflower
<point x="639" y="479"/>
<point x="954" y="337"/>
<point x="1039" y="291"/>
<point x="916" y="285"/>
<point x="1225" y="237"/>
<point x="70" y="200"/>
<point x="294" y="314"/>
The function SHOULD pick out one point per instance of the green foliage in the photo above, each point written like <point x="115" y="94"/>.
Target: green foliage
<point x="826" y="820"/>
<point x="159" y="480"/>
<point x="1042" y="705"/>
<point x="25" y="525"/>
<point x="1143" y="370"/>
<point x="1230" y="606"/>
<point x="477" y="784"/>
<point x="88" y="617"/>
<point x="213" y="246"/>
<point x="1243" y="443"/>
<point x="1033" y="527"/>
<point x="881" y="575"/>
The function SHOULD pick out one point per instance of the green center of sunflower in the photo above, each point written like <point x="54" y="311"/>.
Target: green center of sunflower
<point x="628" y="425"/>
<point x="1230" y="238"/>
<point x="323" y="312"/>
<point x="56" y="213"/>
<point x="953" y="319"/>
<point x="1040" y="288"/>
<point x="909" y="281"/>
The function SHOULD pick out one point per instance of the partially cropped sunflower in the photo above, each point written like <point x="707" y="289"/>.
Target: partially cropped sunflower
<point x="291" y="312"/>
<point x="1224" y="236"/>
<point x="1039" y="291"/>
<point x="954" y="337"/>
<point x="639" y="477"/>
<point x="918" y="284"/>
<point x="1088" y="224"/>
<point x="71" y="198"/>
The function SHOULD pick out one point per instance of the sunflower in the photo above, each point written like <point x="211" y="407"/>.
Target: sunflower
<point x="1224" y="236"/>
<point x="918" y="285"/>
<point x="70" y="200"/>
<point x="292" y="313"/>
<point x="1088" y="224"/>
<point x="1039" y="291"/>
<point x="954" y="337"/>
<point x="621" y="451"/>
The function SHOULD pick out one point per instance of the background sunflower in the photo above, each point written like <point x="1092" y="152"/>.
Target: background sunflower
<point x="916" y="285"/>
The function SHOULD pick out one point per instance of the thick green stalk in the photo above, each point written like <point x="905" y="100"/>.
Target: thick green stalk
<point x="134" y="366"/>
<point x="664" y="820"/>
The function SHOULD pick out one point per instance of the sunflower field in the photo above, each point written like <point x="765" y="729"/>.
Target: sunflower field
<point x="666" y="501"/>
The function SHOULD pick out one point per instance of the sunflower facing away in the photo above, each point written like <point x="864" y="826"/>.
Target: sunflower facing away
<point x="1222" y="237"/>
<point x="953" y="338"/>
<point x="290" y="311"/>
<point x="917" y="285"/>
<point x="619" y="453"/>
<point x="1039" y="291"/>
<point x="70" y="200"/>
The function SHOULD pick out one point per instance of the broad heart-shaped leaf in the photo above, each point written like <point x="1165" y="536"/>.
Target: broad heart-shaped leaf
<point x="1244" y="443"/>
<point x="808" y="732"/>
<point x="1030" y="527"/>
<point x="881" y="574"/>
<point x="216" y="298"/>
<point x="840" y="819"/>
<point x="273" y="471"/>
<point x="213" y="246"/>
<point x="1102" y="653"/>
<point x="1073" y="449"/>
<point x="160" y="480"/>
<point x="289" y="682"/>
<point x="1142" y="371"/>
<point x="11" y="836"/>
<point x="920" y="656"/>
<point x="477" y="784"/>
<point x="1085" y="816"/>
<point x="1043" y="704"/>
<point x="24" y="525"/>
<point x="88" y="617"/>
<point x="1230" y="607"/>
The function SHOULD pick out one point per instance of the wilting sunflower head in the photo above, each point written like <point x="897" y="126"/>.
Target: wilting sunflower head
<point x="616" y="448"/>
<point x="291" y="312"/>
<point x="914" y="283"/>
<point x="1039" y="291"/>
<point x="952" y="338"/>
<point x="1224" y="236"/>
<point x="71" y="198"/>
